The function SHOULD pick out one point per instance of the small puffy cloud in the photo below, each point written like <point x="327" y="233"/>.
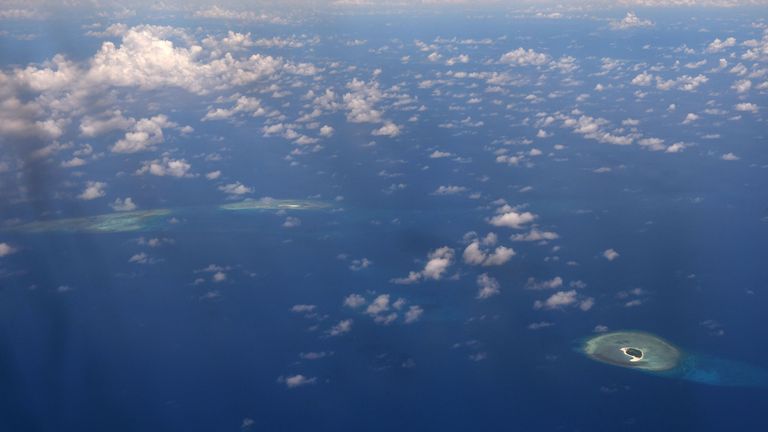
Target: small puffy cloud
<point x="499" y="256"/>
<point x="729" y="157"/>
<point x="139" y="258"/>
<point x="630" y="20"/>
<point x="690" y="118"/>
<point x="294" y="381"/>
<point x="553" y="283"/>
<point x="389" y="130"/>
<point x="535" y="235"/>
<point x="540" y="325"/>
<point x="718" y="45"/>
<point x="594" y="128"/>
<point x="303" y="308"/>
<point x="462" y="58"/>
<point x="165" y="167"/>
<point x="676" y="147"/>
<point x="213" y="175"/>
<point x="487" y="287"/>
<point x="557" y="300"/>
<point x="449" y="190"/>
<point x="385" y="319"/>
<point x="586" y="304"/>
<point x="438" y="262"/>
<point x="684" y="82"/>
<point x="413" y="314"/>
<point x="632" y="298"/>
<point x="326" y="131"/>
<point x="315" y="355"/>
<point x="235" y="189"/>
<point x="379" y="309"/>
<point x="93" y="190"/>
<point x="437" y="154"/>
<point x="642" y="79"/>
<point x="126" y="204"/>
<point x="510" y="218"/>
<point x="6" y="249"/>
<point x="354" y="301"/>
<point x="360" y="264"/>
<point x="342" y="327"/>
<point x="746" y="107"/>
<point x="509" y="160"/>
<point x="379" y="305"/>
<point x="291" y="222"/>
<point x="154" y="241"/>
<point x="610" y="254"/>
<point x="475" y="255"/>
<point x="73" y="163"/>
<point x="655" y="144"/>
<point x="742" y="86"/>
<point x="478" y="356"/>
<point x="523" y="57"/>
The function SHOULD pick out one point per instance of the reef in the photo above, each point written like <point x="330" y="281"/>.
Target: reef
<point x="276" y="204"/>
<point x="633" y="350"/>
<point x="105" y="223"/>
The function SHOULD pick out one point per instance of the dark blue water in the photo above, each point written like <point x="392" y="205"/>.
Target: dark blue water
<point x="90" y="341"/>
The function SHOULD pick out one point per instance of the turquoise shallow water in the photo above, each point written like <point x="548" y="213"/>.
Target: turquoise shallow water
<point x="162" y="219"/>
<point x="720" y="372"/>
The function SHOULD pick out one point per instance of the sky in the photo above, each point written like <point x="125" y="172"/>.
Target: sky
<point x="407" y="215"/>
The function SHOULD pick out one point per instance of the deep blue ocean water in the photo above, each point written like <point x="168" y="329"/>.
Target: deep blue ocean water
<point x="91" y="342"/>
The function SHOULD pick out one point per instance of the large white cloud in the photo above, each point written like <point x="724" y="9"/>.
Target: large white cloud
<point x="41" y="100"/>
<point x="145" y="60"/>
<point x="143" y="135"/>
